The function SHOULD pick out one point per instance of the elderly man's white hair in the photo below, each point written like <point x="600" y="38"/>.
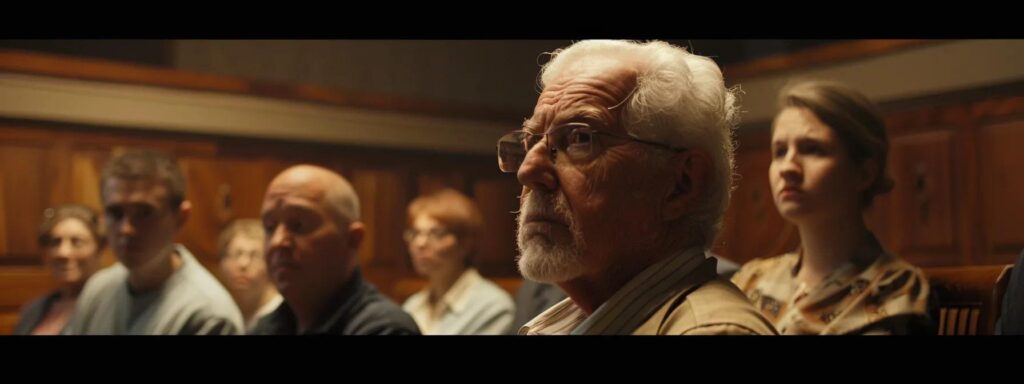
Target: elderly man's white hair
<point x="680" y="100"/>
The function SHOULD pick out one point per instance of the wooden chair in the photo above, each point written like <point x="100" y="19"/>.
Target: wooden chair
<point x="968" y="299"/>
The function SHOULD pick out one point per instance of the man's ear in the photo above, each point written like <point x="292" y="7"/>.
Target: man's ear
<point x="690" y="173"/>
<point x="356" y="234"/>
<point x="184" y="211"/>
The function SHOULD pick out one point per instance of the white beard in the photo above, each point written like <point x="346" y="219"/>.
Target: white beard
<point x="543" y="258"/>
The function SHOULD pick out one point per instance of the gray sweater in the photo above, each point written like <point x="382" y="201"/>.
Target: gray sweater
<point x="191" y="302"/>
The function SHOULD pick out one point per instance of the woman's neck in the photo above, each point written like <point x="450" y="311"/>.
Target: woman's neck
<point x="828" y="245"/>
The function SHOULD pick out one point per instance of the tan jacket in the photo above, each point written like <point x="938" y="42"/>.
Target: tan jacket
<point x="710" y="306"/>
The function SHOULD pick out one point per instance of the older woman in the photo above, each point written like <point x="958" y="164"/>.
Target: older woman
<point x="829" y="149"/>
<point x="71" y="242"/>
<point x="442" y="238"/>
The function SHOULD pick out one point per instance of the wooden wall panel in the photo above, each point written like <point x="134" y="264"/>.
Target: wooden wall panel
<point x="18" y="286"/>
<point x="207" y="190"/>
<point x="497" y="198"/>
<point x="383" y="196"/>
<point x="427" y="183"/>
<point x="1002" y="189"/>
<point x="924" y="222"/>
<point x="26" y="194"/>
<point x="753" y="227"/>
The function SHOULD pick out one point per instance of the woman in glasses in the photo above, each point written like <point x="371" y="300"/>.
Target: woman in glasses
<point x="442" y="239"/>
<point x="829" y="150"/>
<point x="72" y="242"/>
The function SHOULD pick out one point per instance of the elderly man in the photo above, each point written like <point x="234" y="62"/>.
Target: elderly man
<point x="311" y="218"/>
<point x="626" y="166"/>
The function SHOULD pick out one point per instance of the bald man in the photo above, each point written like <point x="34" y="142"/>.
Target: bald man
<point x="311" y="218"/>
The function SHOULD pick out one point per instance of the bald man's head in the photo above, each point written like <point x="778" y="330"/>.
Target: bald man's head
<point x="311" y="218"/>
<point x="319" y="184"/>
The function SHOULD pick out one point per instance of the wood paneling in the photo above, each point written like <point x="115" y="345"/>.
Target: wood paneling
<point x="923" y="226"/>
<point x="1002" y="187"/>
<point x="427" y="183"/>
<point x="26" y="193"/>
<point x="827" y="54"/>
<point x="383" y="196"/>
<point x="753" y="227"/>
<point x="18" y="286"/>
<point x="497" y="198"/>
<point x="110" y="71"/>
<point x="3" y="215"/>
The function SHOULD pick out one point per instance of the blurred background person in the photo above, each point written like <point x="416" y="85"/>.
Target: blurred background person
<point x="442" y="240"/>
<point x="829" y="148"/>
<point x="72" y="242"/>
<point x="243" y="270"/>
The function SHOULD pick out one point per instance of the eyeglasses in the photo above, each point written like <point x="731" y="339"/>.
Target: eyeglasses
<point x="433" y="234"/>
<point x="577" y="141"/>
<point x="250" y="256"/>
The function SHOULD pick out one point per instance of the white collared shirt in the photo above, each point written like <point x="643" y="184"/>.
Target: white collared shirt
<point x="472" y="306"/>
